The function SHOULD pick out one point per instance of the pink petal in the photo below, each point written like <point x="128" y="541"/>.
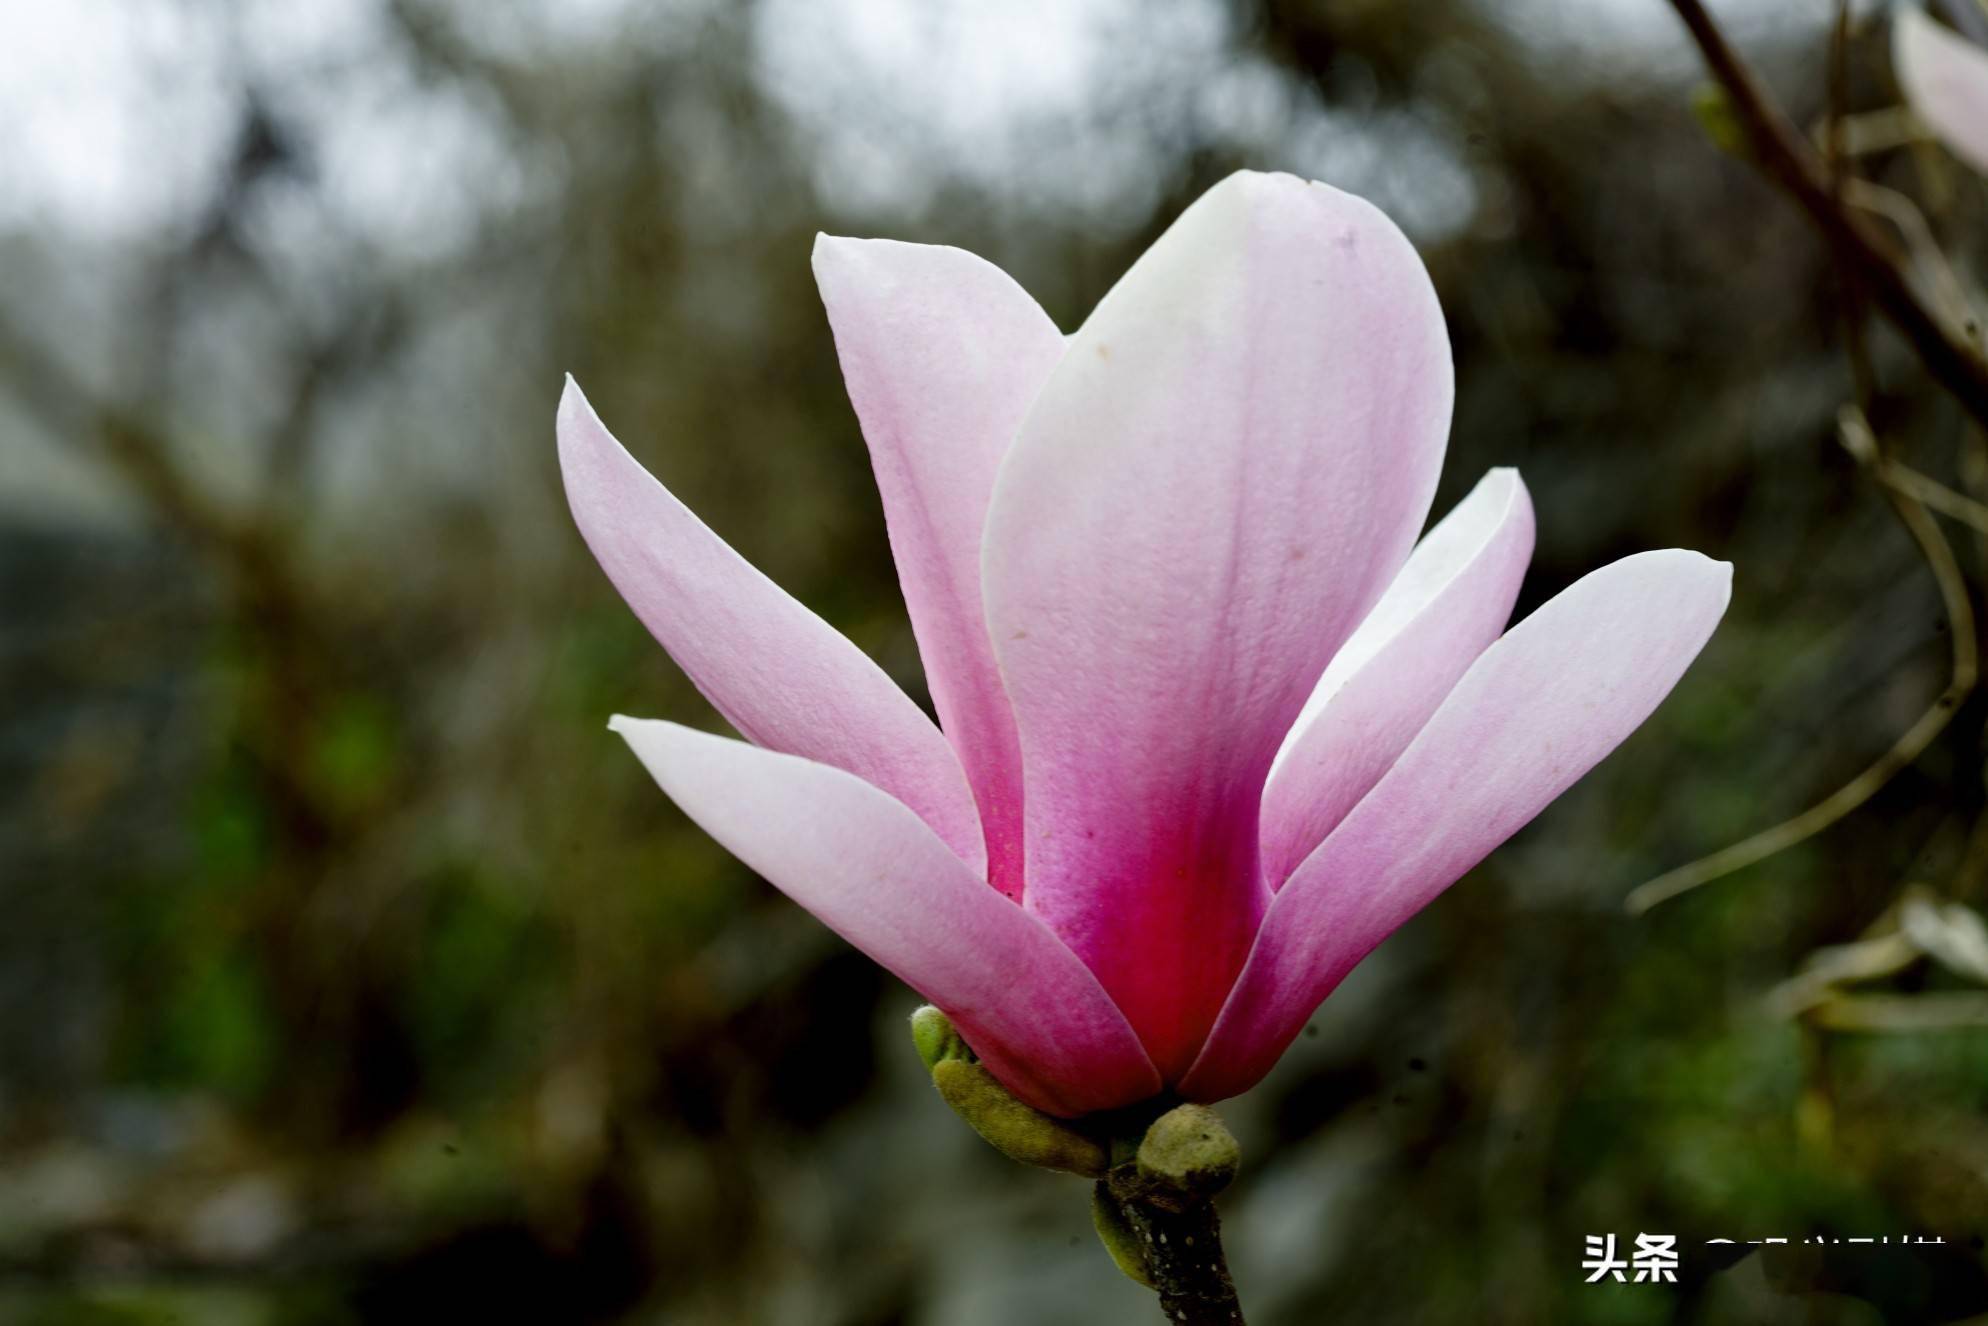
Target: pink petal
<point x="1449" y="602"/>
<point x="1536" y="711"/>
<point x="943" y="354"/>
<point x="782" y="676"/>
<point x="1216" y="483"/>
<point x="1945" y="78"/>
<point x="877" y="876"/>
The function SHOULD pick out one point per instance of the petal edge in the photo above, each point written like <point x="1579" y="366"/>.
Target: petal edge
<point x="1217" y="481"/>
<point x="1448" y="604"/>
<point x="878" y="876"/>
<point x="782" y="676"/>
<point x="942" y="353"/>
<point x="1945" y="78"/>
<point x="1502" y="746"/>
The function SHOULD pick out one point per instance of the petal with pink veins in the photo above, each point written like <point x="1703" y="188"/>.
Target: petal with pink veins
<point x="1945" y="78"/>
<point x="879" y="877"/>
<point x="1450" y="601"/>
<point x="782" y="676"/>
<point x="1218" y="480"/>
<point x="1536" y="711"/>
<point x="943" y="353"/>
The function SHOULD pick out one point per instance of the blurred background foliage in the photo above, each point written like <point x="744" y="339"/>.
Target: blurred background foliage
<point x="353" y="972"/>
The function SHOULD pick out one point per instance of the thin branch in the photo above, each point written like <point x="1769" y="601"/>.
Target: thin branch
<point x="1786" y="156"/>
<point x="1871" y="132"/>
<point x="125" y="444"/>
<point x="1944" y="1011"/>
<point x="1827" y="968"/>
<point x="1932" y="493"/>
<point x="1895" y="207"/>
<point x="1857" y="439"/>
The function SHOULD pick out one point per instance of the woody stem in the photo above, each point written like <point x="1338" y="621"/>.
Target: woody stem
<point x="1183" y="1251"/>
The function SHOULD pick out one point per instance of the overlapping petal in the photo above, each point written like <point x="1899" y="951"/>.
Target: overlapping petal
<point x="1216" y="483"/>
<point x="1129" y="558"/>
<point x="943" y="353"/>
<point x="1535" y="712"/>
<point x="879" y="877"/>
<point x="1945" y="78"/>
<point x="782" y="676"/>
<point x="1450" y="601"/>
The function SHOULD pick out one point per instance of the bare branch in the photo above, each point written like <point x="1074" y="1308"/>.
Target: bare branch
<point x="1948" y="352"/>
<point x="1858" y="440"/>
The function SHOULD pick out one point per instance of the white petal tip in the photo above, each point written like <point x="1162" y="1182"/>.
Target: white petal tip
<point x="1503" y="480"/>
<point x="1912" y="25"/>
<point x="1944" y="77"/>
<point x="656" y="742"/>
<point x="1266" y="180"/>
<point x="1690" y="566"/>
<point x="1713" y="566"/>
<point x="574" y="409"/>
<point x="830" y="249"/>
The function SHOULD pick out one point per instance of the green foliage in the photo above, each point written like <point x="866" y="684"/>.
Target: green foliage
<point x="212" y="1029"/>
<point x="296" y="1306"/>
<point x="1718" y="119"/>
<point x="483" y="960"/>
<point x="200" y="1013"/>
<point x="356" y="752"/>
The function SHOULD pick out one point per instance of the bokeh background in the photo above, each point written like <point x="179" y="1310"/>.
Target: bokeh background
<point x="350" y="971"/>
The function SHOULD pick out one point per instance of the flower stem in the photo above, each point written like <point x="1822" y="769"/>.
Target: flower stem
<point x="1158" y="1165"/>
<point x="1184" y="1262"/>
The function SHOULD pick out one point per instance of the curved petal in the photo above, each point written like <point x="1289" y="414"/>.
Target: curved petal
<point x="1216" y="483"/>
<point x="782" y="676"/>
<point x="874" y="874"/>
<point x="1945" y="78"/>
<point x="1449" y="602"/>
<point x="943" y="353"/>
<point x="1536" y="711"/>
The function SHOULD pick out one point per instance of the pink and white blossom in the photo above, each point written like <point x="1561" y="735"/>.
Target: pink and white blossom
<point x="1212" y="723"/>
<point x="1945" y="79"/>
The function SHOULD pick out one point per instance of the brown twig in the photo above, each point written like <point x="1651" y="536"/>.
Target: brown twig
<point x="1182" y="1243"/>
<point x="1871" y="271"/>
<point x="1857" y="439"/>
<point x="1786" y="156"/>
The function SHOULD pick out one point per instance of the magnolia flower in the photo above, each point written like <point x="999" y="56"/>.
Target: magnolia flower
<point x="1208" y="729"/>
<point x="1945" y="78"/>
